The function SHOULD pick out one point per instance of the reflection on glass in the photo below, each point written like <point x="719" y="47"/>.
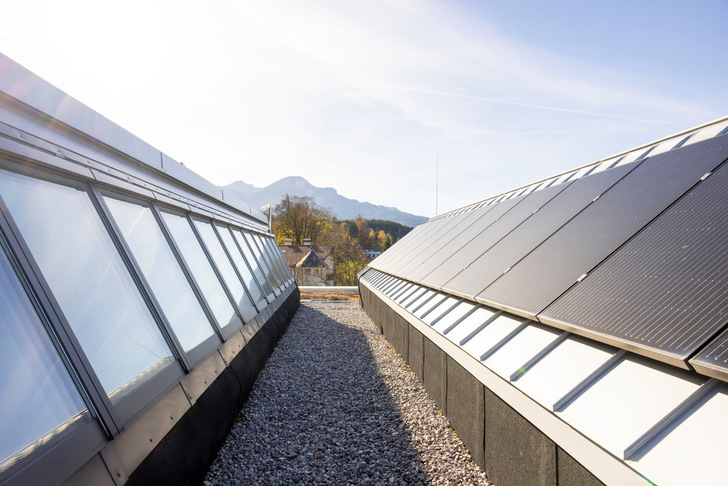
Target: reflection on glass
<point x="161" y="269"/>
<point x="201" y="269"/>
<point x="259" y="265"/>
<point x="87" y="277"/>
<point x="223" y="265"/>
<point x="282" y="267"/>
<point x="240" y="264"/>
<point x="36" y="392"/>
<point x="264" y="255"/>
<point x="276" y="254"/>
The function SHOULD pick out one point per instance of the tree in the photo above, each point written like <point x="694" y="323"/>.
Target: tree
<point x="299" y="218"/>
<point x="387" y="243"/>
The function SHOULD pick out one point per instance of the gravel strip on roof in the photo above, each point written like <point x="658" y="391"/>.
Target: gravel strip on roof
<point x="335" y="404"/>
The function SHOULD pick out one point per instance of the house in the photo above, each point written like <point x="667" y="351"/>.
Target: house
<point x="310" y="264"/>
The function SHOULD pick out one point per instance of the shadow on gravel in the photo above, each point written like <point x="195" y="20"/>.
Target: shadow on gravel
<point x="320" y="413"/>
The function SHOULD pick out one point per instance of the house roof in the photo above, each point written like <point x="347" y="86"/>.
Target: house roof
<point x="295" y="254"/>
<point x="600" y="292"/>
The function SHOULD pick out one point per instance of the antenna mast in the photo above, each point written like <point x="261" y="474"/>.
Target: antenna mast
<point x="437" y="177"/>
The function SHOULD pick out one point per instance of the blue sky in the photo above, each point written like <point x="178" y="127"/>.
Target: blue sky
<point x="364" y="96"/>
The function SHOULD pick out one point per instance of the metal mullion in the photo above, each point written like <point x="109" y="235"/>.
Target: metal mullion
<point x="271" y="261"/>
<point x="503" y="341"/>
<point x="185" y="269"/>
<point x="587" y="382"/>
<point x="278" y="258"/>
<point x="250" y="269"/>
<point x="255" y="258"/>
<point x="138" y="276"/>
<point x="274" y="285"/>
<point x="274" y="264"/>
<point x="87" y="382"/>
<point x="539" y="356"/>
<point x="643" y="444"/>
<point x="207" y="253"/>
<point x="235" y="267"/>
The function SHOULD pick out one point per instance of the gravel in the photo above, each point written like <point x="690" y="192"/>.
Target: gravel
<point x="336" y="405"/>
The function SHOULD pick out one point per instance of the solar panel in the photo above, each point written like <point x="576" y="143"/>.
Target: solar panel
<point x="460" y="253"/>
<point x="713" y="361"/>
<point x="467" y="228"/>
<point x="507" y="252"/>
<point x="557" y="264"/>
<point x="442" y="234"/>
<point x="666" y="290"/>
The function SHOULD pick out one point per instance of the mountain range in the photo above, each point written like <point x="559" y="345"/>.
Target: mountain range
<point x="327" y="197"/>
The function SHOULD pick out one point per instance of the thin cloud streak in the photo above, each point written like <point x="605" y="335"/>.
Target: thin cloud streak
<point x="464" y="96"/>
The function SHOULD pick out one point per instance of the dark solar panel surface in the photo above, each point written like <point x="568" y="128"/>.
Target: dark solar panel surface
<point x="442" y="234"/>
<point x="464" y="232"/>
<point x="667" y="288"/>
<point x="516" y="245"/>
<point x="399" y="249"/>
<point x="715" y="358"/>
<point x="458" y="254"/>
<point x="537" y="280"/>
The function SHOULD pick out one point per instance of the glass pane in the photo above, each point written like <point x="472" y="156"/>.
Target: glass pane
<point x="272" y="261"/>
<point x="37" y="393"/>
<point x="223" y="265"/>
<point x="275" y="254"/>
<point x="201" y="269"/>
<point x="240" y="263"/>
<point x="259" y="265"/>
<point x="161" y="269"/>
<point x="272" y="271"/>
<point x="88" y="278"/>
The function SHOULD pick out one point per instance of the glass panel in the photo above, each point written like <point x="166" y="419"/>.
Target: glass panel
<point x="517" y="351"/>
<point x="695" y="451"/>
<point x="201" y="269"/>
<point x="37" y="392"/>
<point x="223" y="264"/>
<point x="620" y="407"/>
<point x="555" y="375"/>
<point x="261" y="253"/>
<point x="240" y="264"/>
<point x="259" y="265"/>
<point x="161" y="269"/>
<point x="88" y="278"/>
<point x="275" y="254"/>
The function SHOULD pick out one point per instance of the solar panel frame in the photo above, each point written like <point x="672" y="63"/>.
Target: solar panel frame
<point x="499" y="258"/>
<point x="602" y="227"/>
<point x="463" y="253"/>
<point x="670" y="281"/>
<point x="464" y="231"/>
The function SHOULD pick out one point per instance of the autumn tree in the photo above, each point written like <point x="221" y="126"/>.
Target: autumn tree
<point x="299" y="218"/>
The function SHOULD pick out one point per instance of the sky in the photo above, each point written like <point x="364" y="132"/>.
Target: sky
<point x="384" y="100"/>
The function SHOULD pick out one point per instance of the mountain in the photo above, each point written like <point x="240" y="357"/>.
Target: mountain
<point x="342" y="207"/>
